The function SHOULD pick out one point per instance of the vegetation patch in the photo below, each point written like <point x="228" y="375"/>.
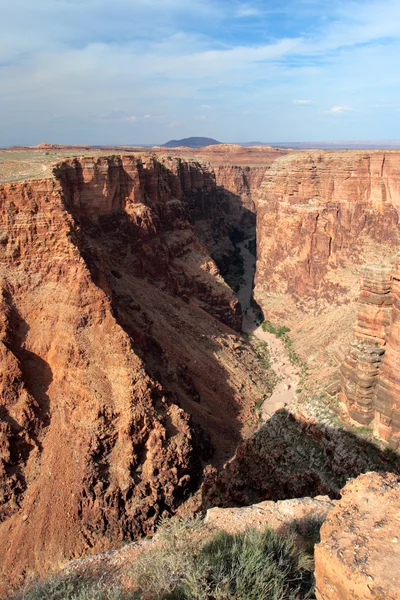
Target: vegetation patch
<point x="281" y="332"/>
<point x="187" y="561"/>
<point x="234" y="276"/>
<point x="248" y="566"/>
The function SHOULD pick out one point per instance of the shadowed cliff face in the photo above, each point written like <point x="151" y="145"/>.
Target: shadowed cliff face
<point x="289" y="457"/>
<point x="122" y="375"/>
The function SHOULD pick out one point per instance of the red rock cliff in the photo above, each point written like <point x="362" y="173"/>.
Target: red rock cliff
<point x="108" y="341"/>
<point x="320" y="214"/>
<point x="370" y="378"/>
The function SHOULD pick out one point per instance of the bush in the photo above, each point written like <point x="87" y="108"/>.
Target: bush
<point x="187" y="561"/>
<point x="57" y="587"/>
<point x="250" y="566"/>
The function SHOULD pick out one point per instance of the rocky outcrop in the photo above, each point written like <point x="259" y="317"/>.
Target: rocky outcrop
<point x="387" y="398"/>
<point x="370" y="380"/>
<point x="321" y="215"/>
<point x="280" y="516"/>
<point x="117" y="371"/>
<point x="361" y="368"/>
<point x="289" y="457"/>
<point x="359" y="553"/>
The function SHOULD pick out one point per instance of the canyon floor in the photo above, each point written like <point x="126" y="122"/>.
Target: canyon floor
<point x="287" y="374"/>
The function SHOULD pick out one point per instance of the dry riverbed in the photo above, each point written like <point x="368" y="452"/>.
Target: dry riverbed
<point x="287" y="373"/>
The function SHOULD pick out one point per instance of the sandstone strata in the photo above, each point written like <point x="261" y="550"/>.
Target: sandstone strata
<point x="361" y="369"/>
<point x="320" y="213"/>
<point x="387" y="400"/>
<point x="359" y="554"/>
<point x="370" y="380"/>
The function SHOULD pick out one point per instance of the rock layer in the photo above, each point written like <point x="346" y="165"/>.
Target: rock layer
<point x="370" y="378"/>
<point x="319" y="215"/>
<point x="387" y="399"/>
<point x="361" y="368"/>
<point x="359" y="554"/>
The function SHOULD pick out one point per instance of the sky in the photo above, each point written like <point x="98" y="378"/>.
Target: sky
<point x="147" y="71"/>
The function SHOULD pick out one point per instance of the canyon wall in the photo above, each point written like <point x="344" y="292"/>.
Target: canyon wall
<point x="370" y="379"/>
<point x="119" y="380"/>
<point x="320" y="215"/>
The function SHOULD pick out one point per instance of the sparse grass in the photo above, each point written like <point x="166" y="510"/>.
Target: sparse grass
<point x="271" y="379"/>
<point x="308" y="531"/>
<point x="249" y="566"/>
<point x="187" y="561"/>
<point x="71" y="587"/>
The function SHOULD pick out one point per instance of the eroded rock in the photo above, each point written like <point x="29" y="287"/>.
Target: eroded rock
<point x="359" y="554"/>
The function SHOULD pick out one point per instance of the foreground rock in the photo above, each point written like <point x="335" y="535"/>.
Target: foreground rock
<point x="279" y="516"/>
<point x="359" y="554"/>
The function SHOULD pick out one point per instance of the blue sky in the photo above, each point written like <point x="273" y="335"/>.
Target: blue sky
<point x="146" y="71"/>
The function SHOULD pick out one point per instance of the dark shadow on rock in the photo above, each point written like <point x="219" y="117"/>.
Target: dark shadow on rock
<point x="36" y="372"/>
<point x="137" y="260"/>
<point x="291" y="458"/>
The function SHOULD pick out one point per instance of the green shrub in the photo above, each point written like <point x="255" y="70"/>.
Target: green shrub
<point x="281" y="332"/>
<point x="250" y="566"/>
<point x="307" y="531"/>
<point x="187" y="561"/>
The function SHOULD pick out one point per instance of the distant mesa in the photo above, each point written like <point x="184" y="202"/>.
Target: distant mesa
<point x="191" y="142"/>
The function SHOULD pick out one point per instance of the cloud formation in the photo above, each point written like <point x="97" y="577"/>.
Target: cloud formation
<point x="91" y="71"/>
<point x="337" y="110"/>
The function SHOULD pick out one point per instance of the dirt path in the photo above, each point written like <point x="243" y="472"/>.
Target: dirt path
<point x="288" y="375"/>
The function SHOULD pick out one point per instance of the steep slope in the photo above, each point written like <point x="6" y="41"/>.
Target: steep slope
<point x="370" y="382"/>
<point x="110" y="334"/>
<point x="321" y="213"/>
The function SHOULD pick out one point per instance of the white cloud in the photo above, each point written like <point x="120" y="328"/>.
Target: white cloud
<point x="302" y="102"/>
<point x="247" y="10"/>
<point x="68" y="61"/>
<point x="337" y="110"/>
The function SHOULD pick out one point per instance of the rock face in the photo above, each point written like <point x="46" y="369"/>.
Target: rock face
<point x="359" y="554"/>
<point x="361" y="369"/>
<point x="279" y="515"/>
<point x="319" y="215"/>
<point x="387" y="400"/>
<point x="289" y="457"/>
<point x="111" y="333"/>
<point x="370" y="379"/>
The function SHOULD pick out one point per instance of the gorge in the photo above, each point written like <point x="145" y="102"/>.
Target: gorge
<point x="132" y="384"/>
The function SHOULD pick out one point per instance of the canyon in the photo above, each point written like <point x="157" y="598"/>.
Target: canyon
<point x="132" y="384"/>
